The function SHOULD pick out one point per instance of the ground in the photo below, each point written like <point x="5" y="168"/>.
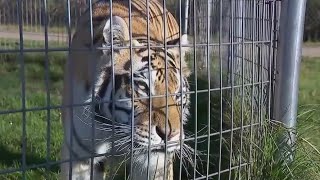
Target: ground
<point x="309" y="50"/>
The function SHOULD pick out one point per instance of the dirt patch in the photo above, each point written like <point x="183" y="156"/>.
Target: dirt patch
<point x="34" y="36"/>
<point x="311" y="51"/>
<point x="308" y="50"/>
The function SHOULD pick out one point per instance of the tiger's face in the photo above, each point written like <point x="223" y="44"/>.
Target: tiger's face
<point x="140" y="94"/>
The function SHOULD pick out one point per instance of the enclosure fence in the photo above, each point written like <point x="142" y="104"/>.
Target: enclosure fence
<point x="244" y="57"/>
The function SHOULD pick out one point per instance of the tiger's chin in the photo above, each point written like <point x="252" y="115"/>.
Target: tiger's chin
<point x="143" y="159"/>
<point x="169" y="149"/>
<point x="154" y="163"/>
<point x="155" y="158"/>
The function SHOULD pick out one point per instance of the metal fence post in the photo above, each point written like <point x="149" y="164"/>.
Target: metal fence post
<point x="288" y="64"/>
<point x="186" y="17"/>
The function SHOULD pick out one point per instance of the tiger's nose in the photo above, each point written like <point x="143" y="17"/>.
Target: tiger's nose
<point x="163" y="134"/>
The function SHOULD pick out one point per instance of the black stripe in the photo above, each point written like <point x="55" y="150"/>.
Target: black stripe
<point x="172" y="64"/>
<point x="103" y="88"/>
<point x="173" y="42"/>
<point x="119" y="108"/>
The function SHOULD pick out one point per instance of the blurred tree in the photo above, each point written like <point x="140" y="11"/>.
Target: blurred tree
<point x="33" y="13"/>
<point x="312" y="21"/>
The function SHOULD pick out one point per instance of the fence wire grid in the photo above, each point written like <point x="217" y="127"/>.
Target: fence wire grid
<point x="232" y="58"/>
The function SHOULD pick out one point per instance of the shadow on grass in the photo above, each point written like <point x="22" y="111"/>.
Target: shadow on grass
<point x="13" y="160"/>
<point x="205" y="123"/>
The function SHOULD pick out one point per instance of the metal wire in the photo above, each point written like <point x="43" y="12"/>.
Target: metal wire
<point x="69" y="66"/>
<point x="221" y="94"/>
<point x="232" y="74"/>
<point x="242" y="34"/>
<point x="132" y="91"/>
<point x="47" y="84"/>
<point x="150" y="99"/>
<point x="113" y="84"/>
<point x="209" y="83"/>
<point x="252" y="99"/>
<point x="196" y="92"/>
<point x="23" y="92"/>
<point x="167" y="89"/>
<point x="181" y="80"/>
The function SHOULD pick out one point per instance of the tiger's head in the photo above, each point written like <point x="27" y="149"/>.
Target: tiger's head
<point x="142" y="87"/>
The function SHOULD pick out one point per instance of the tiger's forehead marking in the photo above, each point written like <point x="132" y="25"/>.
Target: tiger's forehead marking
<point x="139" y="23"/>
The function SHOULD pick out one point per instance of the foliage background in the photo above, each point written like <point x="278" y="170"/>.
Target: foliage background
<point x="33" y="10"/>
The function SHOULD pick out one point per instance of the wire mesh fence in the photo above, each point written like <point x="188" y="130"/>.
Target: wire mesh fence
<point x="86" y="94"/>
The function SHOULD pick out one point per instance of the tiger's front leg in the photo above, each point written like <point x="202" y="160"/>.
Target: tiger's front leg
<point x="81" y="169"/>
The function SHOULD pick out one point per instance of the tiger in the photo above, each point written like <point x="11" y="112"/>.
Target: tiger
<point x="124" y="91"/>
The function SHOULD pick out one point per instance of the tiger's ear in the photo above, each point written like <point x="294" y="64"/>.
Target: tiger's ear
<point x="184" y="45"/>
<point x="183" y="40"/>
<point x="119" y="28"/>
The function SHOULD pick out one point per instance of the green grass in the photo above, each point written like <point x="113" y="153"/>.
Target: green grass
<point x="309" y="100"/>
<point x="308" y="126"/>
<point x="7" y="43"/>
<point x="36" y="121"/>
<point x="305" y="167"/>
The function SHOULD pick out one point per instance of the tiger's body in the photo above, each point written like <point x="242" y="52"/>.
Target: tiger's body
<point x="100" y="72"/>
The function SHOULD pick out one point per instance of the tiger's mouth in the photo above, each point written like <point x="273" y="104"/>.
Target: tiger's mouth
<point x="170" y="148"/>
<point x="162" y="150"/>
